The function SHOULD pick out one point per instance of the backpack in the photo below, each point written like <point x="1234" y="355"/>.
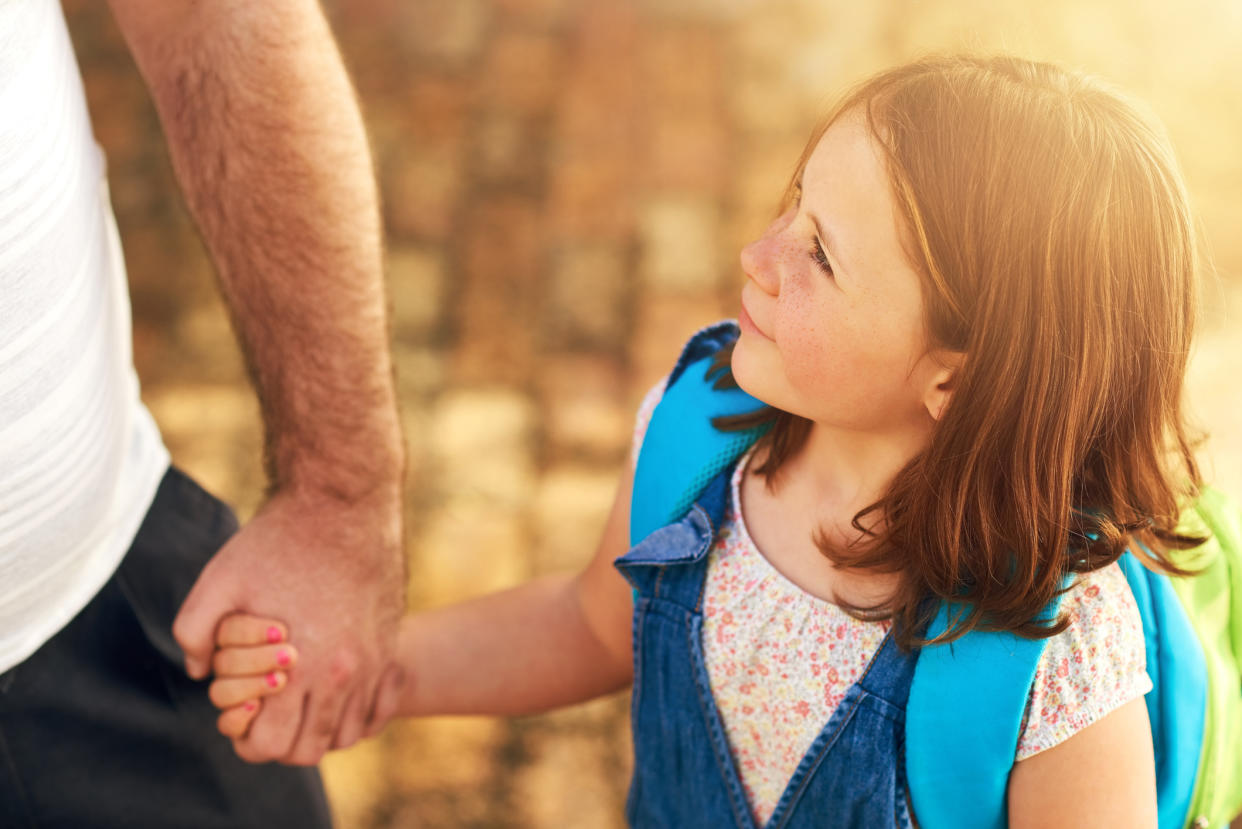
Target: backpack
<point x="967" y="698"/>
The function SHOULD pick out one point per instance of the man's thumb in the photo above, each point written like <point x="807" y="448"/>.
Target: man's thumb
<point x="195" y="626"/>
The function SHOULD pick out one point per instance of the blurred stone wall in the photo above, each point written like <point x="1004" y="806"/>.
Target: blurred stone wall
<point x="566" y="186"/>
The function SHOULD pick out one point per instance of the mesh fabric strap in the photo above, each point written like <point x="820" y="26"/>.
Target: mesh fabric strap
<point x="682" y="451"/>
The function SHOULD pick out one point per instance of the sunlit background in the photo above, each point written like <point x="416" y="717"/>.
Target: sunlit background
<point x="566" y="185"/>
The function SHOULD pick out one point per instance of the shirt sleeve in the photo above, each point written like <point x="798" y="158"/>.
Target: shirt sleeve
<point x="1090" y="669"/>
<point x="643" y="419"/>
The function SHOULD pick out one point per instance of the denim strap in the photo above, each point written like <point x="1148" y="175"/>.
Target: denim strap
<point x="670" y="563"/>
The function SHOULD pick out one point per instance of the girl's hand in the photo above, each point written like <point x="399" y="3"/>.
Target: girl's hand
<point x="251" y="661"/>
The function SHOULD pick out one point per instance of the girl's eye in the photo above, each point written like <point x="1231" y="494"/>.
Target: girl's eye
<point x="820" y="258"/>
<point x="817" y="253"/>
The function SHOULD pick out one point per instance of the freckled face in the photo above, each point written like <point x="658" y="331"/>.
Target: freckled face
<point x="832" y="313"/>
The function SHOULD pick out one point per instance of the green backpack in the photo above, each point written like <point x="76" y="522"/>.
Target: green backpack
<point x="1213" y="604"/>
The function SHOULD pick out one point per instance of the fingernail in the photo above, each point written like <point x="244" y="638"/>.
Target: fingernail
<point x="282" y="658"/>
<point x="250" y="705"/>
<point x="272" y="680"/>
<point x="274" y="635"/>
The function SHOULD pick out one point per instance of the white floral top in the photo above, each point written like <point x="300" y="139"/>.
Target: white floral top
<point x="780" y="660"/>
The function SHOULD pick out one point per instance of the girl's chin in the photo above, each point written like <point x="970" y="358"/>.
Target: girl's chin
<point x="746" y="371"/>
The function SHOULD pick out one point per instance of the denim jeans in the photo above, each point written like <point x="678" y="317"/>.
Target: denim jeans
<point x="101" y="727"/>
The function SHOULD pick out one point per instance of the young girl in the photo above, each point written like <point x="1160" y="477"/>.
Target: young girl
<point x="969" y="325"/>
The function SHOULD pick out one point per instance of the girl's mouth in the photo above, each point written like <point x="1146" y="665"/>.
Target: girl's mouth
<point x="747" y="324"/>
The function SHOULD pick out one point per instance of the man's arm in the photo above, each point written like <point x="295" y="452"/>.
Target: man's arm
<point x="268" y="145"/>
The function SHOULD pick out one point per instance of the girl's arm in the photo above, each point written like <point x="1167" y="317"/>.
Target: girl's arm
<point x="1104" y="775"/>
<point x="550" y="642"/>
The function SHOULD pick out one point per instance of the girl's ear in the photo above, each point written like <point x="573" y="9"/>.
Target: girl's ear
<point x="942" y="382"/>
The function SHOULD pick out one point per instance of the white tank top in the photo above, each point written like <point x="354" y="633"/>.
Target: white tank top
<point x="80" y="457"/>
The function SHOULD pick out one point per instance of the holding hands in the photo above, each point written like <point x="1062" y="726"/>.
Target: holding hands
<point x="332" y="572"/>
<point x="254" y="660"/>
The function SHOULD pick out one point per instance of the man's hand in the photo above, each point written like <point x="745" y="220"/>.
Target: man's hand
<point x="334" y="573"/>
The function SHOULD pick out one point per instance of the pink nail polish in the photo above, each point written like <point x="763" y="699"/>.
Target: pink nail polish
<point x="272" y="680"/>
<point x="282" y="658"/>
<point x="274" y="635"/>
<point x="250" y="705"/>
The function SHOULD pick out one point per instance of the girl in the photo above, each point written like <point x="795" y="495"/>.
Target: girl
<point x="969" y="325"/>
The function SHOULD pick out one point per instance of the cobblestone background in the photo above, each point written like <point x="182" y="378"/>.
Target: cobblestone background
<point x="566" y="186"/>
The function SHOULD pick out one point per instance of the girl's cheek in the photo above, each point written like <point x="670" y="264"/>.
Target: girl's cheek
<point x="795" y="302"/>
<point x="803" y="331"/>
<point x="802" y="307"/>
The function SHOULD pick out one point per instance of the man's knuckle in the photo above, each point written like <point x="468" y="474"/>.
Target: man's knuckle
<point x="245" y="749"/>
<point x="304" y="759"/>
<point x="268" y="738"/>
<point x="182" y="637"/>
<point x="343" y="668"/>
<point x="307" y="753"/>
<point x="324" y="724"/>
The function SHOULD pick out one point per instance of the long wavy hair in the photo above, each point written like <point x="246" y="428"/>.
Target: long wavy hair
<point x="1051" y="231"/>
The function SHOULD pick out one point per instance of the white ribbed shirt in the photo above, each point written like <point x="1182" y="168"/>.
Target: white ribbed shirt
<point x="80" y="456"/>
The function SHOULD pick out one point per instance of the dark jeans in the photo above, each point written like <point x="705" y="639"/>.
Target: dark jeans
<point x="102" y="727"/>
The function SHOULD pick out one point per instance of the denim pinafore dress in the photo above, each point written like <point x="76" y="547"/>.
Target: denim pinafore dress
<point x="851" y="777"/>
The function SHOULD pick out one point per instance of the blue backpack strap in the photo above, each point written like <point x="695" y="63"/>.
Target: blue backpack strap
<point x="963" y="719"/>
<point x="976" y="689"/>
<point x="682" y="451"/>
<point x="1177" y="703"/>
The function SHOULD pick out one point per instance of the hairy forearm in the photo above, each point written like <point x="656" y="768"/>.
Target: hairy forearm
<point x="269" y="148"/>
<point x="521" y="651"/>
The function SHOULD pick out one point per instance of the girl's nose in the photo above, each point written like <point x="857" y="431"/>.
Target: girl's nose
<point x="761" y="259"/>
